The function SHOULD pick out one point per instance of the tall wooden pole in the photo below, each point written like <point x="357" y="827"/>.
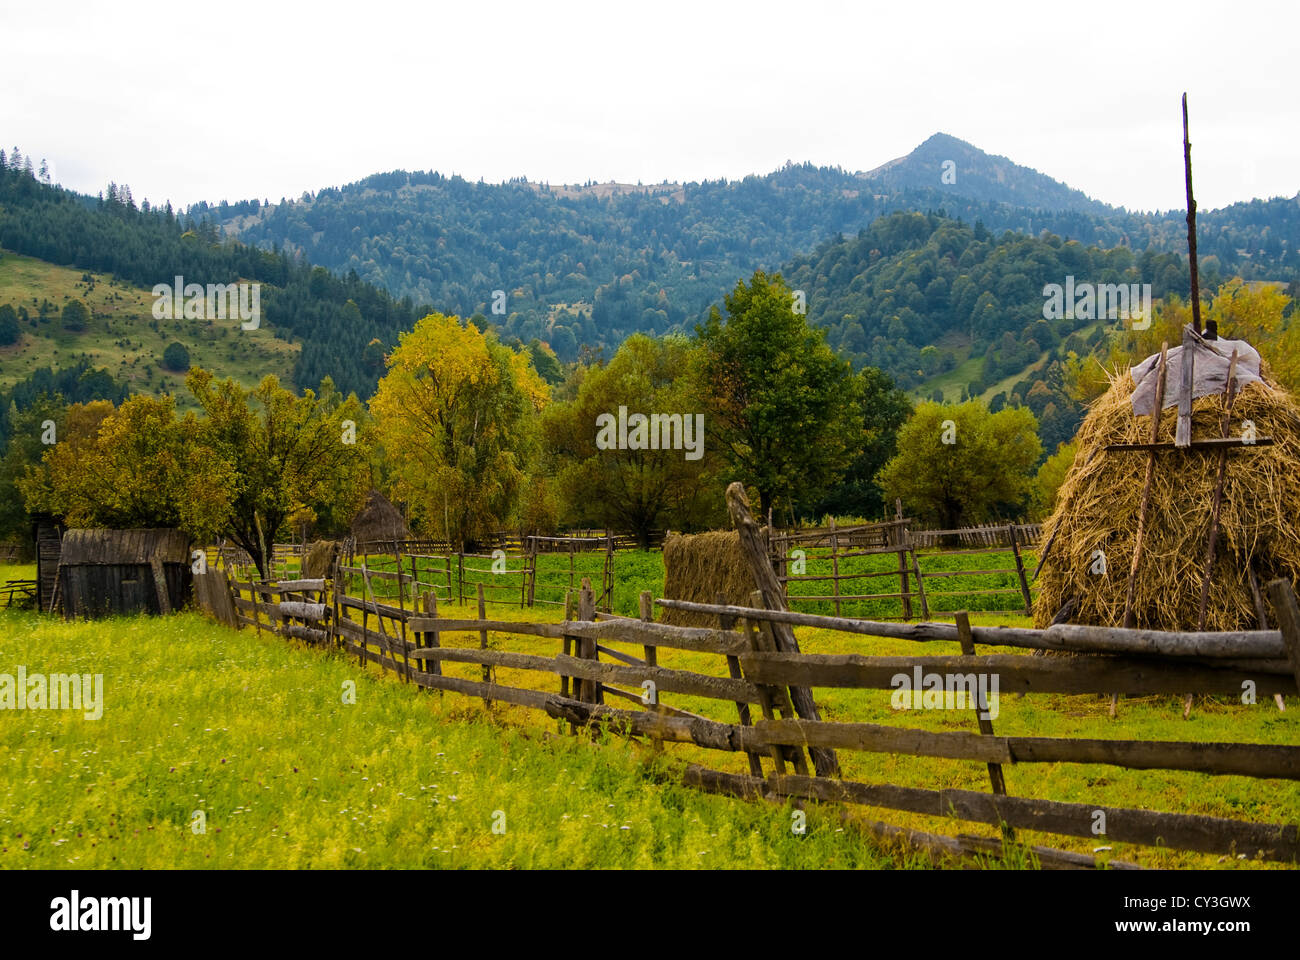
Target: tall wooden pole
<point x="1191" y="224"/>
<point x="755" y="553"/>
<point x="1130" y="616"/>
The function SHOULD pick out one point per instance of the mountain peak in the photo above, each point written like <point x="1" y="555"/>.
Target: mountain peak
<point x="945" y="162"/>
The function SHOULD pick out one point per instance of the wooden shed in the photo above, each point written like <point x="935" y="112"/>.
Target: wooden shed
<point x="106" y="572"/>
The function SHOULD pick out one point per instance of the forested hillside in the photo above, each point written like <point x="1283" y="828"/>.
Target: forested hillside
<point x="589" y="264"/>
<point x="336" y="318"/>
<point x="891" y="294"/>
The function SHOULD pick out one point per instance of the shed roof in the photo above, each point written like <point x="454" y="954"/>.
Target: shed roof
<point x="95" y="546"/>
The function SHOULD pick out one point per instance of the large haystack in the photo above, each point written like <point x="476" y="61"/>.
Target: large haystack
<point x="379" y="522"/>
<point x="698" y="567"/>
<point x="1098" y="505"/>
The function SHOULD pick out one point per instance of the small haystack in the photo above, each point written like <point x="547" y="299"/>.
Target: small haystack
<point x="699" y="567"/>
<point x="318" y="561"/>
<point x="379" y="522"/>
<point x="1098" y="506"/>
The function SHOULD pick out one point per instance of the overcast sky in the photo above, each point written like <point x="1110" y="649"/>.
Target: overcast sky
<point x="193" y="101"/>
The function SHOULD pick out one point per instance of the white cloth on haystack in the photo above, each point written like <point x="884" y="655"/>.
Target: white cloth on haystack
<point x="1209" y="373"/>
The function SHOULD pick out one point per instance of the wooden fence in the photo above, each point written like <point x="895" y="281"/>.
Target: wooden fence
<point x="554" y="588"/>
<point x="917" y="554"/>
<point x="749" y="691"/>
<point x="17" y="592"/>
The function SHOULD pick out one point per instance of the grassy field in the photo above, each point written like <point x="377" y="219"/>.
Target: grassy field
<point x="634" y="571"/>
<point x="944" y="595"/>
<point x="1041" y="715"/>
<point x="637" y="570"/>
<point x="253" y="732"/>
<point x="199" y="717"/>
<point x="123" y="335"/>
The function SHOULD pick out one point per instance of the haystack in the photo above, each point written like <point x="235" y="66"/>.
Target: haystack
<point x="1098" y="505"/>
<point x="698" y="567"/>
<point x="318" y="561"/>
<point x="379" y="521"/>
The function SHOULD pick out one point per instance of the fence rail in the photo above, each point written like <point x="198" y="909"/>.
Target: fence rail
<point x="638" y="661"/>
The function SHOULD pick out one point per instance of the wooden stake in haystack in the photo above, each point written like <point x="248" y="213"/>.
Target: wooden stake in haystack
<point x="1191" y="224"/>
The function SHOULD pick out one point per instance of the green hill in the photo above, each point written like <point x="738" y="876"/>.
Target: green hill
<point x="122" y="336"/>
<point x="341" y="326"/>
<point x="925" y="296"/>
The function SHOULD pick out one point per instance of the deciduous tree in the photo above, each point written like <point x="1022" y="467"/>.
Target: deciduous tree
<point x="959" y="464"/>
<point x="780" y="404"/>
<point x="456" y="412"/>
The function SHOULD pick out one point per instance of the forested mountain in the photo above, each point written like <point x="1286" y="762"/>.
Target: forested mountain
<point x="589" y="264"/>
<point x="910" y="281"/>
<point x="336" y="318"/>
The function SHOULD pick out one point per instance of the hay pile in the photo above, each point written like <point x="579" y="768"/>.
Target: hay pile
<point x="699" y="567"/>
<point x="318" y="561"/>
<point x="1098" y="504"/>
<point x="379" y="521"/>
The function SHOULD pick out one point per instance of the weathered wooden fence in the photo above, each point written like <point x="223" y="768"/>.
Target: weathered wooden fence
<point x="556" y="585"/>
<point x="923" y="583"/>
<point x="746" y="668"/>
<point x="17" y="592"/>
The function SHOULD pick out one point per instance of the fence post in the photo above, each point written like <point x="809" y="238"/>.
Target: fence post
<point x="431" y="638"/>
<point x="896" y="538"/>
<point x="567" y="649"/>
<point x="257" y="614"/>
<point x="835" y="566"/>
<point x="996" y="779"/>
<point x="733" y="669"/>
<point x="482" y="641"/>
<point x="608" y="578"/>
<point x="460" y="576"/>
<point x="1020" y="571"/>
<point x="772" y="698"/>
<point x="646" y="604"/>
<point x="1288" y="621"/>
<point x="587" y="645"/>
<point x="365" y="622"/>
<point x="532" y="569"/>
<point x="401" y="605"/>
<point x="755" y="552"/>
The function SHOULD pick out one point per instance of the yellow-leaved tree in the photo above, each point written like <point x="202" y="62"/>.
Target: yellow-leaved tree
<point x="457" y="416"/>
<point x="1255" y="313"/>
<point x="134" y="466"/>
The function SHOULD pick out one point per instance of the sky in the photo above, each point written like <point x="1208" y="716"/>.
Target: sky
<point x="196" y="101"/>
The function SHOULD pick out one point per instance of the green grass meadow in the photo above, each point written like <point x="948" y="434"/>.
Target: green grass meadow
<point x="253" y="731"/>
